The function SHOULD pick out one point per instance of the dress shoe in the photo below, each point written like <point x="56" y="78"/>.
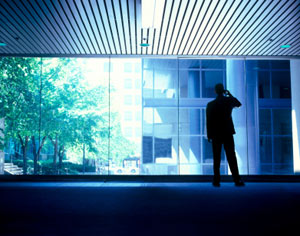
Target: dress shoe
<point x="216" y="184"/>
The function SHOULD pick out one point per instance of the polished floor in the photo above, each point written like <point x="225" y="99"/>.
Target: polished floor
<point x="118" y="208"/>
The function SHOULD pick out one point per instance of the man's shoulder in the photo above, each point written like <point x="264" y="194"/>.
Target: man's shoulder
<point x="211" y="102"/>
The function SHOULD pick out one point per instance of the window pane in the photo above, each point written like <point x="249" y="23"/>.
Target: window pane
<point x="282" y="122"/>
<point x="189" y="64"/>
<point x="209" y="80"/>
<point x="189" y="121"/>
<point x="265" y="149"/>
<point x="189" y="84"/>
<point x="127" y="100"/>
<point x="280" y="64"/>
<point x="257" y="64"/>
<point x="263" y="84"/>
<point x="283" y="150"/>
<point x="264" y="121"/>
<point x="165" y="83"/>
<point x="190" y="155"/>
<point x="128" y="83"/>
<point x="213" y="64"/>
<point x="160" y="64"/>
<point x="148" y="84"/>
<point x="165" y="122"/>
<point x="148" y="121"/>
<point x="281" y="84"/>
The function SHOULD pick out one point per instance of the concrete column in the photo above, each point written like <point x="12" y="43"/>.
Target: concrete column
<point x="235" y="80"/>
<point x="295" y="86"/>
<point x="1" y="149"/>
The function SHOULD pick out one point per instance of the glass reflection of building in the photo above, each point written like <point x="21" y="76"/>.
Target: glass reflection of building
<point x="160" y="106"/>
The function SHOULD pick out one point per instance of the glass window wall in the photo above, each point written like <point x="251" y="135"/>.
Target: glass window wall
<point x="121" y="116"/>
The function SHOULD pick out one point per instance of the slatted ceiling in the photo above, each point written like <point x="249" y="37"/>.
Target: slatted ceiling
<point x="211" y="22"/>
<point x="192" y="22"/>
<point x="12" y="27"/>
<point x="212" y="29"/>
<point x="263" y="34"/>
<point x="185" y="28"/>
<point x="255" y="28"/>
<point x="113" y="27"/>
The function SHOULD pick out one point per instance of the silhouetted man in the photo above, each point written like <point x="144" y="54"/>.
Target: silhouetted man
<point x="220" y="131"/>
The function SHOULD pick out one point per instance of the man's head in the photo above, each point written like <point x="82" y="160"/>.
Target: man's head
<point x="219" y="89"/>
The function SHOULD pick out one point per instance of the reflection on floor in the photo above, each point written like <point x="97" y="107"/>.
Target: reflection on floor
<point x="116" y="208"/>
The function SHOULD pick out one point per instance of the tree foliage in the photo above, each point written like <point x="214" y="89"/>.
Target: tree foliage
<point x="48" y="101"/>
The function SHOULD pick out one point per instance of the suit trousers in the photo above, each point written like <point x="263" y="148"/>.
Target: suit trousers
<point x="229" y="148"/>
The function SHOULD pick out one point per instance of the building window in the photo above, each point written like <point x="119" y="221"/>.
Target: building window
<point x="128" y="116"/>
<point x="128" y="67"/>
<point x="128" y="100"/>
<point x="128" y="83"/>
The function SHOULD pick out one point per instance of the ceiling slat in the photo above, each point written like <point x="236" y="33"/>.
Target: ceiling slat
<point x="118" y="25"/>
<point x="72" y="26"/>
<point x="24" y="19"/>
<point x="15" y="28"/>
<point x="113" y="27"/>
<point x="92" y="26"/>
<point x="243" y="26"/>
<point x="190" y="33"/>
<point x="209" y="26"/>
<point x="255" y="28"/>
<point x="203" y="18"/>
<point x="286" y="19"/>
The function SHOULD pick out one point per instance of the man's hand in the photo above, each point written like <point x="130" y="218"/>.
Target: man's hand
<point x="227" y="93"/>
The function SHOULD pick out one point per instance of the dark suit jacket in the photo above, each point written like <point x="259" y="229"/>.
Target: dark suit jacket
<point x="218" y="116"/>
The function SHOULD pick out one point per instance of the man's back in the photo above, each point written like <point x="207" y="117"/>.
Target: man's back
<point x="218" y="116"/>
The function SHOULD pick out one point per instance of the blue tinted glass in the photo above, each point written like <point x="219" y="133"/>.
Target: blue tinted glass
<point x="213" y="64"/>
<point x="160" y="64"/>
<point x="209" y="80"/>
<point x="282" y="122"/>
<point x="257" y="64"/>
<point x="283" y="150"/>
<point x="189" y="84"/>
<point x="281" y="84"/>
<point x="190" y="151"/>
<point x="189" y="64"/>
<point x="189" y="121"/>
<point x="280" y="64"/>
<point x="263" y="84"/>
<point x="165" y="83"/>
<point x="264" y="121"/>
<point x="265" y="149"/>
